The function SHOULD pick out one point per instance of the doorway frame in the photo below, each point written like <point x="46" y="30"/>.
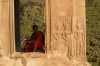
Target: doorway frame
<point x="13" y="52"/>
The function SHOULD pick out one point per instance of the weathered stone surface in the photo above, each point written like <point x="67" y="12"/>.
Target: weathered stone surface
<point x="46" y="62"/>
<point x="18" y="62"/>
<point x="6" y="61"/>
<point x="2" y="52"/>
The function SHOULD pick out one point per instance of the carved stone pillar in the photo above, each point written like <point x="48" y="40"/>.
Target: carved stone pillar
<point x="4" y="26"/>
<point x="0" y="18"/>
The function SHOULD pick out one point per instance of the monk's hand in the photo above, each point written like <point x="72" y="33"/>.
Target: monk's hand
<point x="30" y="41"/>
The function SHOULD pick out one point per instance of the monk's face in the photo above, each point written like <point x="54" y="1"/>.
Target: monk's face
<point x="35" y="28"/>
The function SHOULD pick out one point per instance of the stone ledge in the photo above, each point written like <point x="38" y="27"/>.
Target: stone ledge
<point x="6" y="61"/>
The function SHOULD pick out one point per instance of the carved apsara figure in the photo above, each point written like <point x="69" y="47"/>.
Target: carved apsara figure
<point x="79" y="39"/>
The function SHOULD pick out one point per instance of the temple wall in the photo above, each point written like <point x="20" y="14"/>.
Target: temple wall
<point x="66" y="30"/>
<point x="4" y="26"/>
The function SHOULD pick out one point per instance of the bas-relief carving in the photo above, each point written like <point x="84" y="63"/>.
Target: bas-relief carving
<point x="79" y="39"/>
<point x="61" y="36"/>
<point x="64" y="38"/>
<point x="61" y="27"/>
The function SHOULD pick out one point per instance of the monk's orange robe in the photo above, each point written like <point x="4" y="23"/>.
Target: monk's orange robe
<point x="38" y="39"/>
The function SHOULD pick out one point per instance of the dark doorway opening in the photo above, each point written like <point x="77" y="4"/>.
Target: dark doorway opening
<point x="27" y="14"/>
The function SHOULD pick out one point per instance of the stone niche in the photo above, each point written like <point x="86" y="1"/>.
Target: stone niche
<point x="66" y="35"/>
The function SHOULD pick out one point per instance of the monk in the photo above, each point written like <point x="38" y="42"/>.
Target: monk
<point x="36" y="41"/>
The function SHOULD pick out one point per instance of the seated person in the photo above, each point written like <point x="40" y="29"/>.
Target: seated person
<point x="36" y="41"/>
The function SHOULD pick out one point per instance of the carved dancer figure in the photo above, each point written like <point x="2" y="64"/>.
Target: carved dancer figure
<point x="67" y="37"/>
<point x="57" y="35"/>
<point x="58" y="30"/>
<point x="79" y="38"/>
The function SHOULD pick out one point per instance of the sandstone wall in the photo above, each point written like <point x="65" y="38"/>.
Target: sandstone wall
<point x="66" y="36"/>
